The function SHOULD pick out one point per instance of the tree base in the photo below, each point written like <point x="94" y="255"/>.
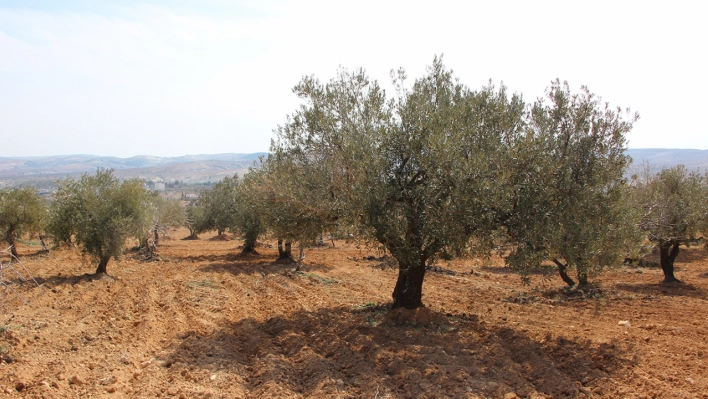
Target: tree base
<point x="671" y="281"/>
<point x="421" y="316"/>
<point x="285" y="261"/>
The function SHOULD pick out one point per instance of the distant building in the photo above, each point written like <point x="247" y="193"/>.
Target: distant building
<point x="159" y="187"/>
<point x="191" y="197"/>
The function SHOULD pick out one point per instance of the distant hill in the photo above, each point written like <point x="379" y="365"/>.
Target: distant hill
<point x="42" y="172"/>
<point x="194" y="169"/>
<point x="659" y="158"/>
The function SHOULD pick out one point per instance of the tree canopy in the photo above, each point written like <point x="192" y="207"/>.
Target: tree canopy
<point x="571" y="203"/>
<point x="674" y="206"/>
<point x="102" y="212"/>
<point x="219" y="206"/>
<point x="21" y="211"/>
<point x="440" y="168"/>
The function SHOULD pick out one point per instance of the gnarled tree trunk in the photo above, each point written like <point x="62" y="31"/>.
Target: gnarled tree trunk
<point x="102" y="263"/>
<point x="249" y="247"/>
<point x="668" y="251"/>
<point x="285" y="253"/>
<point x="408" y="292"/>
<point x="13" y="244"/>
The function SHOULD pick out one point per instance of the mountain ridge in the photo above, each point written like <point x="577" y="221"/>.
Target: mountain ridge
<point x="208" y="168"/>
<point x="194" y="169"/>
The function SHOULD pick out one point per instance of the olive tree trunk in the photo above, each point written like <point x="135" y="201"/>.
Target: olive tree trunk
<point x="563" y="272"/>
<point x="13" y="243"/>
<point x="285" y="253"/>
<point x="249" y="247"/>
<point x="408" y="292"/>
<point x="102" y="263"/>
<point x="668" y="251"/>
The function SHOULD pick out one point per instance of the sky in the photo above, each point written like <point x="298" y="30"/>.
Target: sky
<point x="178" y="77"/>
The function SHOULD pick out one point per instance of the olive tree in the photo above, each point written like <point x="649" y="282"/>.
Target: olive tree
<point x="227" y="206"/>
<point x="571" y="201"/>
<point x="194" y="220"/>
<point x="21" y="211"/>
<point x="417" y="173"/>
<point x="288" y="195"/>
<point x="219" y="205"/>
<point x="103" y="212"/>
<point x="674" y="206"/>
<point x="247" y="219"/>
<point x="161" y="214"/>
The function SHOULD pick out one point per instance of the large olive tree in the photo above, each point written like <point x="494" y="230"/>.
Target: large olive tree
<point x="420" y="172"/>
<point x="674" y="206"/>
<point x="21" y="211"/>
<point x="101" y="212"/>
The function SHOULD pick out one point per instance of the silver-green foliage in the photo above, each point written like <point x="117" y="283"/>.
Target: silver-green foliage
<point x="21" y="211"/>
<point x="418" y="173"/>
<point x="101" y="212"/>
<point x="219" y="206"/>
<point x="674" y="206"/>
<point x="571" y="201"/>
<point x="227" y="206"/>
<point x="439" y="169"/>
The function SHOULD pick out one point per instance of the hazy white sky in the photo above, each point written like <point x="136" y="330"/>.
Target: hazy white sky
<point x="183" y="77"/>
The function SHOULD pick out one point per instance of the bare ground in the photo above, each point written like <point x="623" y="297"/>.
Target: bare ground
<point x="206" y="322"/>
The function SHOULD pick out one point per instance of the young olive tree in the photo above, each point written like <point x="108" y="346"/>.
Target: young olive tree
<point x="571" y="201"/>
<point x="103" y="212"/>
<point x="674" y="205"/>
<point x="21" y="211"/>
<point x="417" y="173"/>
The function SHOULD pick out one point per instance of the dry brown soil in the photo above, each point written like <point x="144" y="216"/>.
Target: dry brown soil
<point x="206" y="322"/>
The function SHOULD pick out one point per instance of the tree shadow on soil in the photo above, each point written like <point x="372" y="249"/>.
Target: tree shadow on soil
<point x="249" y="264"/>
<point x="53" y="281"/>
<point x="368" y="352"/>
<point x="690" y="255"/>
<point x="505" y="270"/>
<point x="230" y="257"/>
<point x="658" y="289"/>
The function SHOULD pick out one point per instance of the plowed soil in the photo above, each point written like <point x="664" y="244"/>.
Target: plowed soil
<point x="204" y="321"/>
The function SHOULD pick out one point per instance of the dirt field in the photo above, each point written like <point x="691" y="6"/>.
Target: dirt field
<point x="206" y="322"/>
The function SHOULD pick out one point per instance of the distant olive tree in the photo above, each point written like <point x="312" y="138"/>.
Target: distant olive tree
<point x="194" y="220"/>
<point x="289" y="195"/>
<point x="571" y="201"/>
<point x="228" y="207"/>
<point x="248" y="219"/>
<point x="21" y="211"/>
<point x="162" y="214"/>
<point x="218" y="206"/>
<point x="63" y="213"/>
<point x="674" y="206"/>
<point x="101" y="212"/>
